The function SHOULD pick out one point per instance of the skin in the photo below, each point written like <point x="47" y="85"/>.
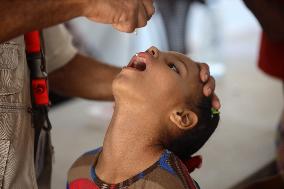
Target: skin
<point x="19" y="17"/>
<point x="149" y="111"/>
<point x="84" y="77"/>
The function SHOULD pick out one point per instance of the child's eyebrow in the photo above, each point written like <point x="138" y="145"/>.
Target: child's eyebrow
<point x="184" y="64"/>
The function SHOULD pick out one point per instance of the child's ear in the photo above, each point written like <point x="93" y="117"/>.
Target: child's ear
<point x="184" y="119"/>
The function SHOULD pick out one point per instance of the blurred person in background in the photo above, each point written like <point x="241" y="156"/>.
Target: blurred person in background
<point x="270" y="14"/>
<point x="174" y="15"/>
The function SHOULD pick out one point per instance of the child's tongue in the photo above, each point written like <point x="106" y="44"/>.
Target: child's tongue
<point x="141" y="66"/>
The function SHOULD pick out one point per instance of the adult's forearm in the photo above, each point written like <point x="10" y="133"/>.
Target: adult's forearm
<point x="270" y="15"/>
<point x="84" y="77"/>
<point x="21" y="16"/>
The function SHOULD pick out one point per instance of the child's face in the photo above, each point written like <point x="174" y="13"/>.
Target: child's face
<point x="159" y="80"/>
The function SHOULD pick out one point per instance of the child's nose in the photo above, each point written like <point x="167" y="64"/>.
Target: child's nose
<point x="153" y="51"/>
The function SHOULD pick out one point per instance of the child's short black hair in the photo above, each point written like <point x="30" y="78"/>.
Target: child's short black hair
<point x="192" y="140"/>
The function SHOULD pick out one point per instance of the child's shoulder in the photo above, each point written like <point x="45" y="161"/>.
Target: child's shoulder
<point x="82" y="166"/>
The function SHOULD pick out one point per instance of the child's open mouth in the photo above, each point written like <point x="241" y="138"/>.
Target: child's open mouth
<point x="138" y="62"/>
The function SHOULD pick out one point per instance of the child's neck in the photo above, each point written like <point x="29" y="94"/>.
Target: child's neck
<point x="130" y="145"/>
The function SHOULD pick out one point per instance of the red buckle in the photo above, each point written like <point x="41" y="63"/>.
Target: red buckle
<point x="40" y="91"/>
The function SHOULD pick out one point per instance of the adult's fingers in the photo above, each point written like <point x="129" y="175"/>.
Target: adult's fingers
<point x="209" y="86"/>
<point x="135" y="19"/>
<point x="137" y="16"/>
<point x="216" y="102"/>
<point x="204" y="72"/>
<point x="125" y="27"/>
<point x="142" y="16"/>
<point x="149" y="8"/>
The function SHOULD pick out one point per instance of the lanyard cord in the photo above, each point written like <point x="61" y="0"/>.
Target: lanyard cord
<point x="38" y="74"/>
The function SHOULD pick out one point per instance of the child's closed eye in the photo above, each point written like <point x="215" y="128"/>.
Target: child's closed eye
<point x="173" y="67"/>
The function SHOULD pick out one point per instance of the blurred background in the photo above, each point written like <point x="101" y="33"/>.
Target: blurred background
<point x="222" y="33"/>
